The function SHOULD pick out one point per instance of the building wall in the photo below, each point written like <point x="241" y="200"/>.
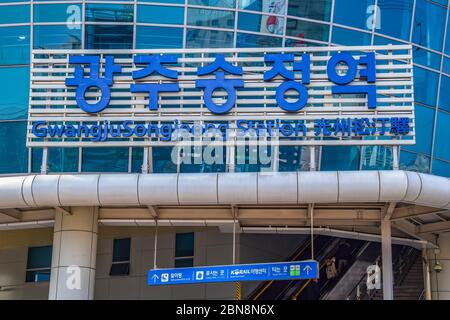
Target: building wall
<point x="212" y="247"/>
<point x="232" y="23"/>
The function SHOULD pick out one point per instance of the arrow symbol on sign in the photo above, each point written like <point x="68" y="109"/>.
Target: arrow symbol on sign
<point x="155" y="277"/>
<point x="307" y="269"/>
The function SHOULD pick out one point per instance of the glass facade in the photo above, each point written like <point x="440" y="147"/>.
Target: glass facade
<point x="161" y="24"/>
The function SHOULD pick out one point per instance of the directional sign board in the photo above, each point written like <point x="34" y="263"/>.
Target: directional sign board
<point x="230" y="273"/>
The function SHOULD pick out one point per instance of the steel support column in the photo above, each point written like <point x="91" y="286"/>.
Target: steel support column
<point x="386" y="254"/>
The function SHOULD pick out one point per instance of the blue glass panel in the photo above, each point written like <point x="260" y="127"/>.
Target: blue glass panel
<point x="14" y="90"/>
<point x="15" y="14"/>
<point x="424" y="118"/>
<point x="200" y="38"/>
<point x="377" y="40"/>
<point x="184" y="244"/>
<point x="165" y="1"/>
<point x="311" y="9"/>
<point x="350" y="37"/>
<point x="260" y="23"/>
<point x="106" y="159"/>
<point x="426" y="58"/>
<point x="137" y="156"/>
<point x="245" y="40"/>
<point x="14" y="155"/>
<point x="417" y="162"/>
<point x="210" y="18"/>
<point x="447" y="40"/>
<point x="377" y="158"/>
<point x="429" y="22"/>
<point x="425" y="86"/>
<point x="158" y="37"/>
<point x="444" y="94"/>
<point x="446" y="65"/>
<point x="109" y="12"/>
<point x="395" y="18"/>
<point x="308" y="30"/>
<point x="266" y="6"/>
<point x="354" y="13"/>
<point x="162" y="160"/>
<point x="62" y="160"/>
<point x="340" y="158"/>
<point x="441" y="168"/>
<point x="160" y="14"/>
<point x="15" y="48"/>
<point x="39" y="257"/>
<point x="57" y="12"/>
<point x="56" y="37"/>
<point x="214" y="3"/>
<point x="109" y="37"/>
<point x="36" y="160"/>
<point x="441" y="139"/>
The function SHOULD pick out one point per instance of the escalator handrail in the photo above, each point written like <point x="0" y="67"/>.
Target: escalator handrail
<point x="292" y="258"/>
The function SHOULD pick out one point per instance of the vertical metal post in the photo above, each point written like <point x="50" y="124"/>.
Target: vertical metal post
<point x="426" y="274"/>
<point x="312" y="158"/>
<point x="44" y="161"/>
<point x="311" y="217"/>
<point x="386" y="255"/>
<point x="156" y="243"/>
<point x="144" y="167"/>
<point x="395" y="158"/>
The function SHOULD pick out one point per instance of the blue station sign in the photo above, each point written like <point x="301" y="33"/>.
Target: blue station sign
<point x="295" y="270"/>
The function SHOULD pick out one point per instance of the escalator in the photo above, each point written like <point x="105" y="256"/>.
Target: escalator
<point x="324" y="247"/>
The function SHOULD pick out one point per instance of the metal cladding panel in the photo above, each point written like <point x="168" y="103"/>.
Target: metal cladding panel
<point x="79" y="190"/>
<point x="414" y="186"/>
<point x="45" y="190"/>
<point x="310" y="182"/>
<point x="393" y="185"/>
<point x="54" y="102"/>
<point x="435" y="191"/>
<point x="158" y="189"/>
<point x="277" y="187"/>
<point x="116" y="189"/>
<point x="27" y="191"/>
<point x="195" y="188"/>
<point x="11" y="192"/>
<point x="359" y="186"/>
<point x="238" y="188"/>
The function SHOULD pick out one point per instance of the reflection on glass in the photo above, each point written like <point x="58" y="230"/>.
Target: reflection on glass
<point x="307" y="30"/>
<point x="137" y="156"/>
<point x="245" y="40"/>
<point x="14" y="90"/>
<point x="62" y="159"/>
<point x="162" y="160"/>
<point x="158" y="37"/>
<point x="311" y="9"/>
<point x="444" y="95"/>
<point x="426" y="58"/>
<point x="350" y="37"/>
<point x="416" y="162"/>
<point x="195" y="160"/>
<point x="105" y="159"/>
<point x="109" y="37"/>
<point x="355" y="13"/>
<point x="214" y="3"/>
<point x="425" y="86"/>
<point x="424" y="121"/>
<point x="15" y="45"/>
<point x="377" y="158"/>
<point x="260" y="23"/>
<point x="210" y="18"/>
<point x="441" y="168"/>
<point x="253" y="158"/>
<point x="14" y="155"/>
<point x="200" y="38"/>
<point x="266" y="6"/>
<point x="57" y="12"/>
<point x="340" y="158"/>
<point x="394" y="18"/>
<point x="56" y="37"/>
<point x="429" y="22"/>
<point x="109" y="12"/>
